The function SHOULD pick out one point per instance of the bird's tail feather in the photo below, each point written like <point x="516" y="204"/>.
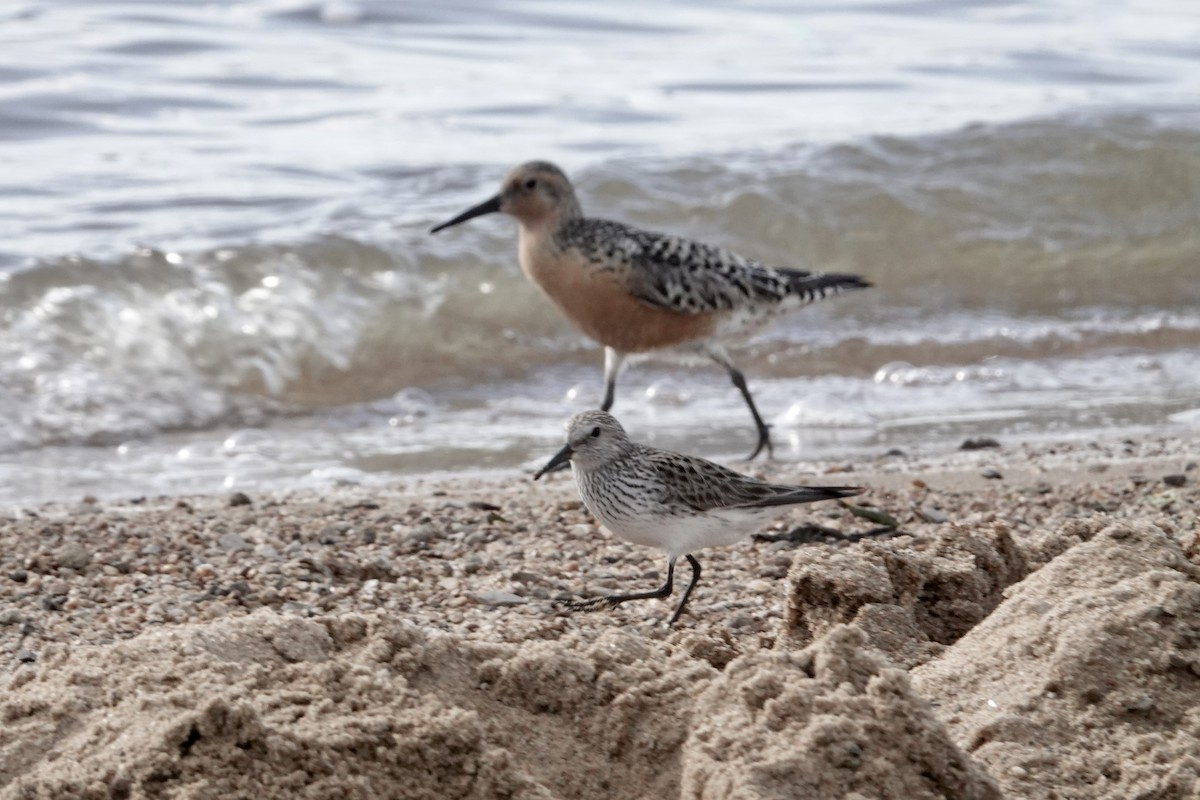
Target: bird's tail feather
<point x="795" y="495"/>
<point x="812" y="286"/>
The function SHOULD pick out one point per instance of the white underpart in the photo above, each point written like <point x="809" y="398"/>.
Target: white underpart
<point x="679" y="535"/>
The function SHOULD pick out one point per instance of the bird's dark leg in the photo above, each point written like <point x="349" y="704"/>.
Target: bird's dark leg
<point x="662" y="591"/>
<point x="688" y="591"/>
<point x="612" y="601"/>
<point x="739" y="380"/>
<point x="665" y="589"/>
<point x="613" y="361"/>
<point x="612" y="367"/>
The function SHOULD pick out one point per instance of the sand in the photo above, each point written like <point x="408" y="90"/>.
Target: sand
<point x="1033" y="635"/>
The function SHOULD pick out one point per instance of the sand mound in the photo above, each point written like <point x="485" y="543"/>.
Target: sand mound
<point x="827" y="721"/>
<point x="910" y="596"/>
<point x="360" y="707"/>
<point x="1085" y="682"/>
<point x="275" y="707"/>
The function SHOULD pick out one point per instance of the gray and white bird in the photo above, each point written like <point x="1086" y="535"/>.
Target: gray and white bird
<point x="667" y="500"/>
<point x="638" y="292"/>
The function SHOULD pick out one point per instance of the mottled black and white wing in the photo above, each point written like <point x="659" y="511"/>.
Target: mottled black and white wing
<point x="702" y="486"/>
<point x="679" y="274"/>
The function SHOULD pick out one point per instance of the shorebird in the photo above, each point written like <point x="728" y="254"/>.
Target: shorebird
<point x="637" y="292"/>
<point x="675" y="502"/>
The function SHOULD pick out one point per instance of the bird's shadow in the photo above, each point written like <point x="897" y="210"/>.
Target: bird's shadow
<point x="811" y="533"/>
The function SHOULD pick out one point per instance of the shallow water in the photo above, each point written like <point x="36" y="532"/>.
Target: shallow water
<point x="215" y="268"/>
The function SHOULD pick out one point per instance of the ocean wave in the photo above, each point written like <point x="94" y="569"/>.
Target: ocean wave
<point x="1036" y="239"/>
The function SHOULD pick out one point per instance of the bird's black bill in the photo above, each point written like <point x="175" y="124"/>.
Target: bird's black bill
<point x="486" y="207"/>
<point x="559" y="460"/>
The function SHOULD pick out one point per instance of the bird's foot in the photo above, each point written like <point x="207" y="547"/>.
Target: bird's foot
<point x="764" y="443"/>
<point x="590" y="604"/>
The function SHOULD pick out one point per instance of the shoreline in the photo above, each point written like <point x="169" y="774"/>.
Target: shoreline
<point x="320" y="450"/>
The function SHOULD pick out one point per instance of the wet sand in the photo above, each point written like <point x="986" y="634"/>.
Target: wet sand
<point x="1033" y="634"/>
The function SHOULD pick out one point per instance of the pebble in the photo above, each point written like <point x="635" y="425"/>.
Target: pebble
<point x="931" y="514"/>
<point x="421" y="533"/>
<point x="992" y="474"/>
<point x="72" y="555"/>
<point x="481" y="505"/>
<point x="232" y="541"/>
<point x="26" y="656"/>
<point x="1175" y="480"/>
<point x="1140" y="704"/>
<point x="267" y="551"/>
<point x="10" y="616"/>
<point x="979" y="443"/>
<point x="498" y="598"/>
<point x="332" y="532"/>
<point x="239" y="499"/>
<point x="739" y="619"/>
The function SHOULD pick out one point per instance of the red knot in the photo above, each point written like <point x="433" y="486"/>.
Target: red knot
<point x="638" y="292"/>
<point x="667" y="500"/>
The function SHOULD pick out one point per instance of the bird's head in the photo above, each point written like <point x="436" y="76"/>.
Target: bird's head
<point x="594" y="438"/>
<point x="537" y="193"/>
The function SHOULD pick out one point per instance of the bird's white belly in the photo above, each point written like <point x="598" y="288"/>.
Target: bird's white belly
<point x="679" y="535"/>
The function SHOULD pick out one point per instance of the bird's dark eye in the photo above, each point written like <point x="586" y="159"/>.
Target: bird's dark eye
<point x="596" y="432"/>
<point x="531" y="183"/>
